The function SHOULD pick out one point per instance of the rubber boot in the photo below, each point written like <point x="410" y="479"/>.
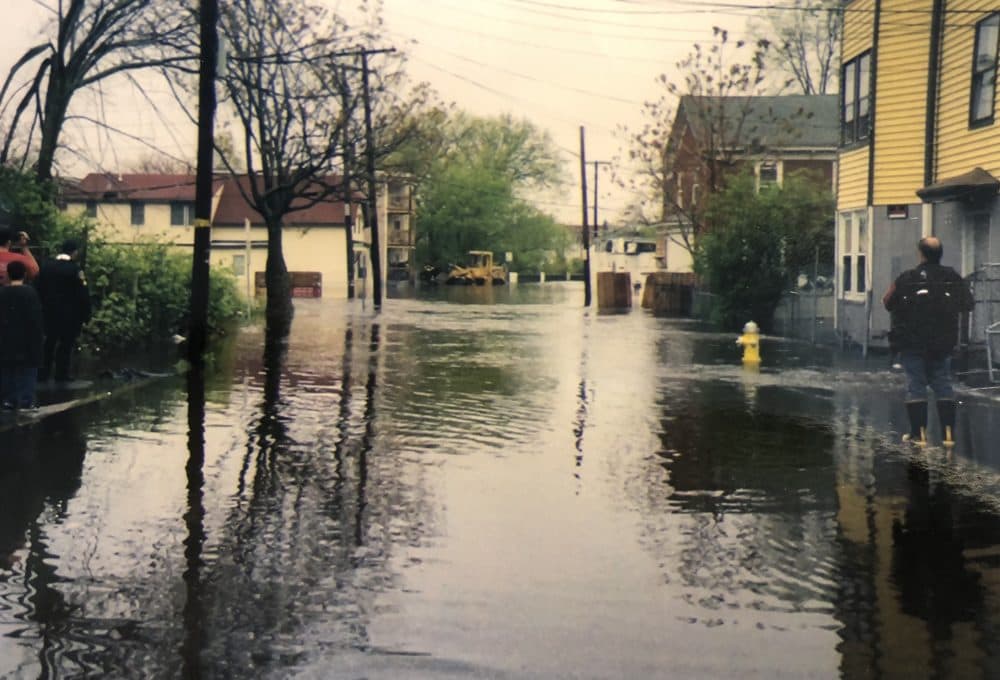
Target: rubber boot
<point x="946" y="414"/>
<point x="917" y="411"/>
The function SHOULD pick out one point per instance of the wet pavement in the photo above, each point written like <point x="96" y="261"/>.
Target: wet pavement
<point x="480" y="484"/>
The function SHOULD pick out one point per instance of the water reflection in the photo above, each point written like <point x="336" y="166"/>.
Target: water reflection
<point x="41" y="473"/>
<point x="387" y="497"/>
<point x="194" y="520"/>
<point x="367" y="440"/>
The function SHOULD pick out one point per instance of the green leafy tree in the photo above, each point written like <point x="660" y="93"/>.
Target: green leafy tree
<point x="470" y="195"/>
<point x="757" y="243"/>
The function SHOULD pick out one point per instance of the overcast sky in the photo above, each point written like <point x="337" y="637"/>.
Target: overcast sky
<point x="559" y="63"/>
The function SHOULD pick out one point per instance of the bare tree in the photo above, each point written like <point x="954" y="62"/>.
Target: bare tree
<point x="705" y="118"/>
<point x="805" y="38"/>
<point x="93" y="41"/>
<point x="281" y="84"/>
<point x="159" y="164"/>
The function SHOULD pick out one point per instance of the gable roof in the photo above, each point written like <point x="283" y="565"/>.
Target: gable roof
<point x="780" y="121"/>
<point x="151" y="187"/>
<point x="233" y="208"/>
<point x="230" y="210"/>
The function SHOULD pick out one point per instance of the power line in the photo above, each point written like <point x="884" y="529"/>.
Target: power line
<point x="500" y="93"/>
<point x="588" y="10"/>
<point x="525" y="43"/>
<point x="525" y="76"/>
<point x="750" y="6"/>
<point x="566" y="31"/>
<point x="588" y="20"/>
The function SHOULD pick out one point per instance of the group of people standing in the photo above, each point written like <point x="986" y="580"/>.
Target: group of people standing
<point x="42" y="310"/>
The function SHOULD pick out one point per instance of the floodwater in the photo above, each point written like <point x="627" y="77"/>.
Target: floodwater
<point x="480" y="484"/>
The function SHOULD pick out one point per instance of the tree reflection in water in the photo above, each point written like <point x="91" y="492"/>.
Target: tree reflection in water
<point x="41" y="473"/>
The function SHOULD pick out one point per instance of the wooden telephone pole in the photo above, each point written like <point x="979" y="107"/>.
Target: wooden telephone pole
<point x="198" y="331"/>
<point x="376" y="255"/>
<point x="586" y="230"/>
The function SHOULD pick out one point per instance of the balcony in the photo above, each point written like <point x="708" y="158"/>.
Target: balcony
<point x="399" y="202"/>
<point x="400" y="237"/>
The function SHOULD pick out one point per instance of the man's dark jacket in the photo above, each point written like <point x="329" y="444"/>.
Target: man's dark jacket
<point x="21" y="332"/>
<point x="925" y="303"/>
<point x="65" y="298"/>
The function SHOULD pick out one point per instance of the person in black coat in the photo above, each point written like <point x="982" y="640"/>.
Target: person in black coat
<point x="21" y="335"/>
<point x="925" y="303"/>
<point x="66" y="303"/>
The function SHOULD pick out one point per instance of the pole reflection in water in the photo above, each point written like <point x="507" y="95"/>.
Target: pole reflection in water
<point x="343" y="423"/>
<point x="194" y="520"/>
<point x="368" y="437"/>
<point x="581" y="412"/>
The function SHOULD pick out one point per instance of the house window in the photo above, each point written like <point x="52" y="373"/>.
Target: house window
<point x="181" y="214"/>
<point x="694" y="194"/>
<point x="768" y="175"/>
<point x="854" y="253"/>
<point x="91" y="209"/>
<point x="239" y="265"/>
<point x="138" y="213"/>
<point x="856" y="104"/>
<point x="984" y="71"/>
<point x="897" y="212"/>
<point x="680" y="195"/>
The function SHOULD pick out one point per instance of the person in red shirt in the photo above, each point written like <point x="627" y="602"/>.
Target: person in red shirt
<point x="8" y="240"/>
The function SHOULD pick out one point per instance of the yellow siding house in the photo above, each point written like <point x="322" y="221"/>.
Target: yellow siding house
<point x="920" y="148"/>
<point x="140" y="207"/>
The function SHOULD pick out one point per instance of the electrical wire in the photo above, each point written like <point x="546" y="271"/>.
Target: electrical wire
<point x="563" y="17"/>
<point x="504" y="95"/>
<point x="524" y="43"/>
<point x="567" y="31"/>
<point x="525" y="76"/>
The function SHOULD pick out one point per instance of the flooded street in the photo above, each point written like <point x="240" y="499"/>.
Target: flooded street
<point x="483" y="484"/>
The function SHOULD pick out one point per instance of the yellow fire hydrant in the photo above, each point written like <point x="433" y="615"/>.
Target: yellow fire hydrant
<point x="751" y="343"/>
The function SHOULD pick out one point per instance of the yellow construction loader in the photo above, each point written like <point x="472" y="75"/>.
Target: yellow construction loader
<point x="479" y="271"/>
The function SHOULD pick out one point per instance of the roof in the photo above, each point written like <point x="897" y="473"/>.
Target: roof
<point x="780" y="121"/>
<point x="232" y="208"/>
<point x="977" y="183"/>
<point x="134" y="187"/>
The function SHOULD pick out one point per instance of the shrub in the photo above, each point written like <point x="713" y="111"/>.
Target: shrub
<point x="141" y="292"/>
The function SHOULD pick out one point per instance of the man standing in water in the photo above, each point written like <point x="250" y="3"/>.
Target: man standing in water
<point x="925" y="303"/>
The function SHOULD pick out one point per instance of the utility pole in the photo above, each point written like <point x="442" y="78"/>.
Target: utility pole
<point x="348" y="189"/>
<point x="376" y="255"/>
<point x="198" y="331"/>
<point x="586" y="231"/>
<point x="597" y="164"/>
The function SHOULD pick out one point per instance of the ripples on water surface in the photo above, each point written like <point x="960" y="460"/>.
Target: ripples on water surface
<point x="487" y="485"/>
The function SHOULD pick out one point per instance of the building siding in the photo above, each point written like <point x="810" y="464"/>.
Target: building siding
<point x="900" y="112"/>
<point x="306" y="249"/>
<point x="960" y="149"/>
<point x="853" y="183"/>
<point x="858" y="23"/>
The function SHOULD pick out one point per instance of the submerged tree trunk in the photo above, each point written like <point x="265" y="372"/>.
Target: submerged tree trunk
<point x="279" y="308"/>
